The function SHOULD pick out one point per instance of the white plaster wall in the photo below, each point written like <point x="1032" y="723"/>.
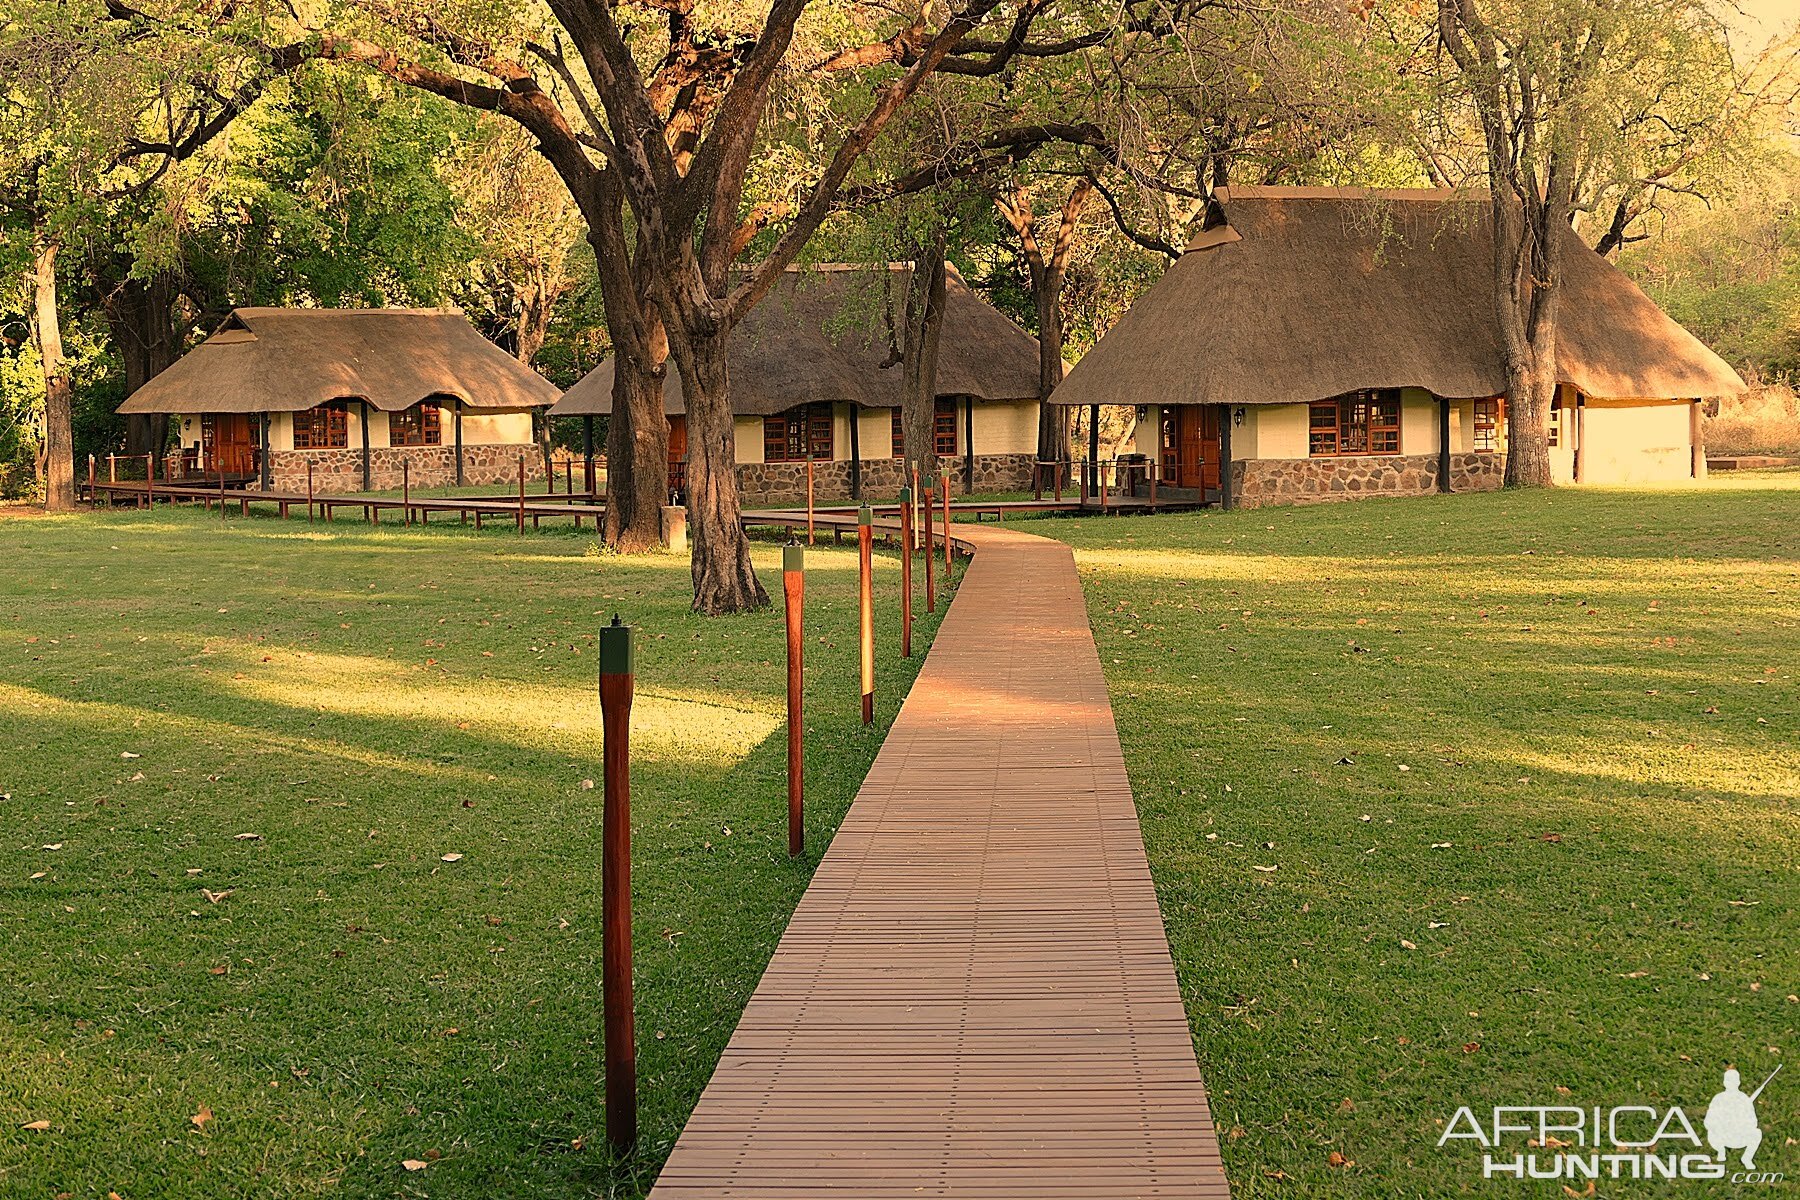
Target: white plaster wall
<point x="1643" y="441"/>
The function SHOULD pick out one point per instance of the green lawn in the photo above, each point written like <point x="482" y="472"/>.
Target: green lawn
<point x="1466" y="800"/>
<point x="367" y="702"/>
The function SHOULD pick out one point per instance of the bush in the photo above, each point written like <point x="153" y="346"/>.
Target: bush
<point x="1764" y="420"/>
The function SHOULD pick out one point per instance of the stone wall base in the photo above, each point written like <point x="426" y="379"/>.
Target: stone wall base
<point x="764" y="484"/>
<point x="1262" y="481"/>
<point x="336" y="472"/>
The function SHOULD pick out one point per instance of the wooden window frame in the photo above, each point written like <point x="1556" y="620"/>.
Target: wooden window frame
<point x="1553" y="429"/>
<point x="943" y="429"/>
<point x="325" y="427"/>
<point x="802" y="432"/>
<point x="898" y="434"/>
<point x="1486" y="434"/>
<point x="1347" y="426"/>
<point x="420" y="425"/>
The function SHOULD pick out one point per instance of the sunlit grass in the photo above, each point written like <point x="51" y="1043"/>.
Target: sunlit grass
<point x="366" y="702"/>
<point x="1552" y="741"/>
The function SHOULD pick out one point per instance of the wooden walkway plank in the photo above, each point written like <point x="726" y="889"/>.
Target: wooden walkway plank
<point x="974" y="997"/>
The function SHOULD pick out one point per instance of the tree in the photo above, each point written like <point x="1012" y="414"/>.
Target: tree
<point x="1564" y="94"/>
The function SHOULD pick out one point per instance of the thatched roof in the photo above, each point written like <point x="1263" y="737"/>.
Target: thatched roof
<point x="1306" y="293"/>
<point x="288" y="359"/>
<point x="822" y="334"/>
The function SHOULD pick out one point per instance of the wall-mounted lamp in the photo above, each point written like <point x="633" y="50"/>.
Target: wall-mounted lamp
<point x="1237" y="416"/>
<point x="1143" y="411"/>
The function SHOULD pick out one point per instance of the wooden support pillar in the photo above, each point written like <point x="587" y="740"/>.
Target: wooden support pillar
<point x="1093" y="452"/>
<point x="456" y="420"/>
<point x="1697" y="441"/>
<point x="588" y="479"/>
<point x="1443" y="480"/>
<point x="1580" y="434"/>
<point x="368" y="475"/>
<point x="1227" y="498"/>
<point x="267" y="473"/>
<point x="855" y="455"/>
<point x="969" y="446"/>
<point x="906" y="558"/>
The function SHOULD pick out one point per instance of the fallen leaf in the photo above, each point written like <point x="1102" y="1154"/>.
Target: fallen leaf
<point x="54" y="846"/>
<point x="414" y="1164"/>
<point x="1408" y="945"/>
<point x="213" y="897"/>
<point x="200" y="1118"/>
<point x="127" y="754"/>
<point x="452" y="857"/>
<point x="1346" y="1105"/>
<point x="40" y="874"/>
<point x="1265" y="870"/>
<point x="1636" y="975"/>
<point x="36" y="1126"/>
<point x="1338" y="1160"/>
<point x="1471" y="1047"/>
<point x="248" y="837"/>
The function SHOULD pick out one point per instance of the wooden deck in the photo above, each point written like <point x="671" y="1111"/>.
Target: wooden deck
<point x="974" y="997"/>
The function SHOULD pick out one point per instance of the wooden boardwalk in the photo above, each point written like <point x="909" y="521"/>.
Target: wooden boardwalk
<point x="974" y="997"/>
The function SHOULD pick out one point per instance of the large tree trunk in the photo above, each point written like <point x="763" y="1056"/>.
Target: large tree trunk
<point x="925" y="300"/>
<point x="535" y="303"/>
<point x="637" y="457"/>
<point x="1528" y="279"/>
<point x="1053" y="419"/>
<point x="140" y="313"/>
<point x="59" y="397"/>
<point x="724" y="579"/>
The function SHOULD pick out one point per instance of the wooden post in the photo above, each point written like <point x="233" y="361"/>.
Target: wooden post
<point x="906" y="557"/>
<point x="1037" y="480"/>
<point x="588" y="479"/>
<point x="568" y="476"/>
<point x="363" y="423"/>
<point x="947" y="550"/>
<point x="1580" y="437"/>
<point x="456" y="420"/>
<point x="855" y="455"/>
<point x="930" y="571"/>
<point x="912" y="543"/>
<point x="93" y="479"/>
<point x="267" y="472"/>
<point x="150" y="481"/>
<point x="406" y="491"/>
<point x="1056" y="471"/>
<point x="616" y="684"/>
<point x="521" y="495"/>
<point x="969" y="445"/>
<point x="309" y="492"/>
<point x="1100" y="479"/>
<point x="1443" y="444"/>
<point x="865" y="551"/>
<point x="1226" y="498"/>
<point x="793" y="584"/>
<point x="1696" y="441"/>
<point x="1151" y="468"/>
<point x="809" y="489"/>
<point x="112" y="468"/>
<point x="221" y="495"/>
<point x="1093" y="450"/>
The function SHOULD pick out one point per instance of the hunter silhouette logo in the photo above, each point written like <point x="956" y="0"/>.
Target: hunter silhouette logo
<point x="1625" y="1141"/>
<point x="1731" y="1119"/>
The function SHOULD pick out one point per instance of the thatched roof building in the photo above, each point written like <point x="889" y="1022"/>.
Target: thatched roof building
<point x="1308" y="293"/>
<point x="272" y="360"/>
<point x="822" y="335"/>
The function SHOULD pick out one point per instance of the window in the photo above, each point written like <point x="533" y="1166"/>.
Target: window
<point x="1555" y="430"/>
<point x="798" y="434"/>
<point x="1366" y="422"/>
<point x="1487" y="426"/>
<point x="326" y="427"/>
<point x="416" y="426"/>
<point x="943" y="431"/>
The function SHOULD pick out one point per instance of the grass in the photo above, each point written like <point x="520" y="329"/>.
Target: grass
<point x="367" y="702"/>
<point x="1465" y="800"/>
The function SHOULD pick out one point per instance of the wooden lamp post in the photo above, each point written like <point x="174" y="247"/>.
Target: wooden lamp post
<point x="793" y="585"/>
<point x="906" y="557"/>
<point x="865" y="551"/>
<point x="617" y="679"/>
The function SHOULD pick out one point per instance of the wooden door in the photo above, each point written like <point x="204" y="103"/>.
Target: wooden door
<point x="232" y="451"/>
<point x="1190" y="446"/>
